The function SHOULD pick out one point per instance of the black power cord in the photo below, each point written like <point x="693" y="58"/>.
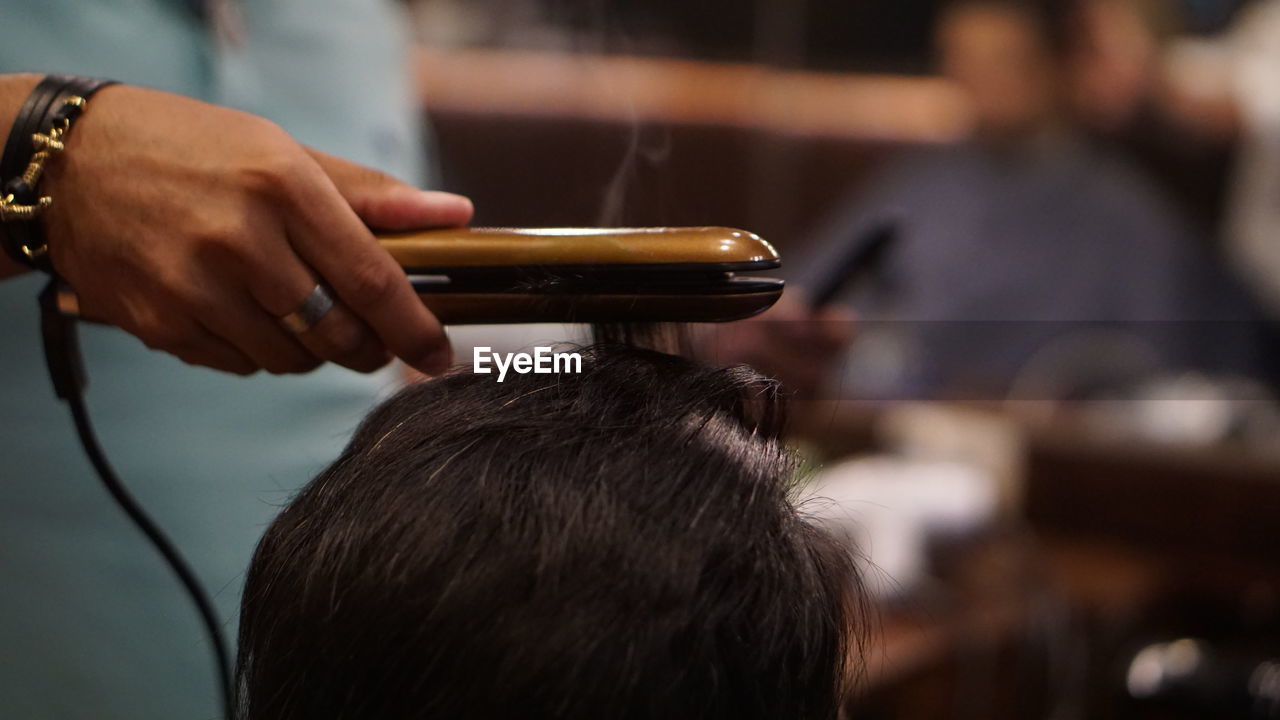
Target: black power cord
<point x="66" y="368"/>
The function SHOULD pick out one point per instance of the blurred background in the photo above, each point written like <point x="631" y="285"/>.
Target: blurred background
<point x="1033" y="249"/>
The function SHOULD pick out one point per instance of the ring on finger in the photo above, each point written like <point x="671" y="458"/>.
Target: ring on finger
<point x="311" y="311"/>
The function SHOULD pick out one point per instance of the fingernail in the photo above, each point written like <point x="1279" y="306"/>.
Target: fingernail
<point x="439" y="196"/>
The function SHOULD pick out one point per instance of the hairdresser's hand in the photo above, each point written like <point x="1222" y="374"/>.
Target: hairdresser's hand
<point x="195" y="228"/>
<point x="798" y="346"/>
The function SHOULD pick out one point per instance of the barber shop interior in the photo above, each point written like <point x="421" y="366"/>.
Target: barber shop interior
<point x="640" y="360"/>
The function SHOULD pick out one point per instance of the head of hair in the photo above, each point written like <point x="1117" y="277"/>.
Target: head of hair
<point x="617" y="543"/>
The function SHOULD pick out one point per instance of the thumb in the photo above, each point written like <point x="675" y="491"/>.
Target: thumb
<point x="386" y="203"/>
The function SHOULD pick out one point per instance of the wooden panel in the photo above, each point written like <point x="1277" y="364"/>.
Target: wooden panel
<point x="551" y="140"/>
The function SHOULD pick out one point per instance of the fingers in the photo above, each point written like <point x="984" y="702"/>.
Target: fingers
<point x="242" y="321"/>
<point x="384" y="202"/>
<point x="330" y="238"/>
<point x="404" y="207"/>
<point x="170" y="326"/>
<point x="280" y="285"/>
<point x="188" y="340"/>
<point x="343" y="338"/>
<point x="208" y="350"/>
<point x="236" y="333"/>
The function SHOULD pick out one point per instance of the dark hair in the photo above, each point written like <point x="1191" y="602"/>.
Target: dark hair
<point x="620" y="543"/>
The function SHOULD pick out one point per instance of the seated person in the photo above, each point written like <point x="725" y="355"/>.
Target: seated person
<point x="619" y="543"/>
<point x="1025" y="251"/>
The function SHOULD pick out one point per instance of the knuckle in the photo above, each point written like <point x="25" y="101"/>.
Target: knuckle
<point x="277" y="364"/>
<point x="226" y="238"/>
<point x="243" y="368"/>
<point x="263" y="132"/>
<point x="157" y="336"/>
<point x="189" y="356"/>
<point x="272" y="172"/>
<point x="150" y="341"/>
<point x="193" y="354"/>
<point x="277" y="367"/>
<point x="300" y="367"/>
<point x="371" y="285"/>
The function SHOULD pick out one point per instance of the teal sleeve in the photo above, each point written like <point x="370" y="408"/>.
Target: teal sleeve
<point x="92" y="625"/>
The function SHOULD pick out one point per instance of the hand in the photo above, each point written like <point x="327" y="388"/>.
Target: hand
<point x="790" y="342"/>
<point x="195" y="227"/>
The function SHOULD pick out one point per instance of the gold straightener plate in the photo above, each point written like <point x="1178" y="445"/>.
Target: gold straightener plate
<point x="499" y="247"/>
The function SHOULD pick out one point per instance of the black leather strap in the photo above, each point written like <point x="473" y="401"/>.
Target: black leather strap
<point x="36" y="115"/>
<point x="18" y="151"/>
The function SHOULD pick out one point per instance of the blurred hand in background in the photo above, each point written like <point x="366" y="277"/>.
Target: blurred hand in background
<point x="798" y="345"/>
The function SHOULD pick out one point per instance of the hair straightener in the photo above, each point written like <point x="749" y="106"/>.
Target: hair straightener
<point x="474" y="276"/>
<point x="579" y="275"/>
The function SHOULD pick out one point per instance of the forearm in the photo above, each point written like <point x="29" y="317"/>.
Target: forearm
<point x="13" y="91"/>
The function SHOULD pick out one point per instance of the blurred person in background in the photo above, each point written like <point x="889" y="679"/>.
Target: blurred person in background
<point x="1112" y="78"/>
<point x="1228" y="87"/>
<point x="1022" y="237"/>
<point x="92" y="622"/>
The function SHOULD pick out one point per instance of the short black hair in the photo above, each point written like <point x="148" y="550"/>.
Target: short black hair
<point x="620" y="543"/>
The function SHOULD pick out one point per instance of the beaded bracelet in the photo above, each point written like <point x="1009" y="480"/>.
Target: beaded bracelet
<point x="38" y="136"/>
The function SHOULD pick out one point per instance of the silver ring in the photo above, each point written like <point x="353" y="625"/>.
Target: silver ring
<point x="313" y="309"/>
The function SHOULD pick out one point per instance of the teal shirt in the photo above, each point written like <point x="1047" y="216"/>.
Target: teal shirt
<point x="92" y="624"/>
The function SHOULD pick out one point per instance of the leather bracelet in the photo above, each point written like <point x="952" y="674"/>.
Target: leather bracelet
<point x="35" y="107"/>
<point x="36" y="137"/>
<point x="16" y="153"/>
